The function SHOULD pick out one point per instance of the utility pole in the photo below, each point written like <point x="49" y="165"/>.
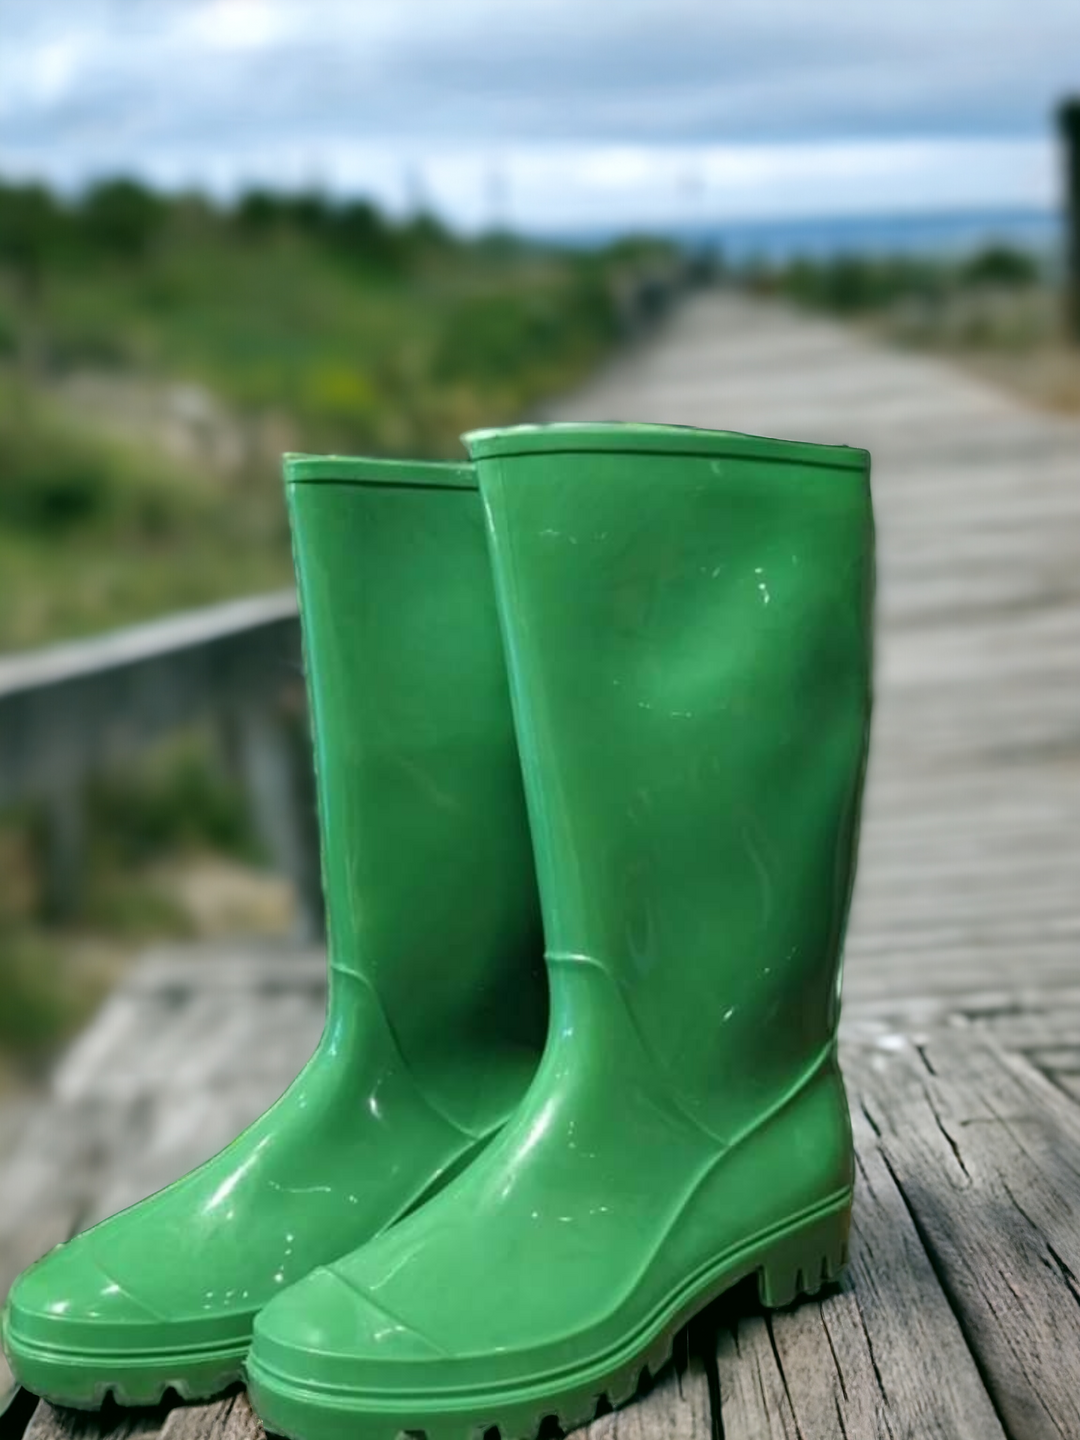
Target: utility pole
<point x="1069" y="121"/>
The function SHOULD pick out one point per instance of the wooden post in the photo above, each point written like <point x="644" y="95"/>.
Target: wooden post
<point x="1069" y="121"/>
<point x="275" y="768"/>
<point x="65" y="837"/>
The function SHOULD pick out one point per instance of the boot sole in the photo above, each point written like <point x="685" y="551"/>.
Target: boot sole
<point x="791" y="1260"/>
<point x="132" y="1380"/>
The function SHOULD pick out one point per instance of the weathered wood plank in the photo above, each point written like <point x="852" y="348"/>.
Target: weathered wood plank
<point x="676" y="1407"/>
<point x="51" y="1422"/>
<point x="228" y="1419"/>
<point x="986" y="1154"/>
<point x="1017" y="1017"/>
<point x="957" y="971"/>
<point x="881" y="1355"/>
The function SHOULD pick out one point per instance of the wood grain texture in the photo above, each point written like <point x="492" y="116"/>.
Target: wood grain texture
<point x="986" y="1153"/>
<point x="676" y="1407"/>
<point x="51" y="1422"/>
<point x="881" y="1355"/>
<point x="228" y="1419"/>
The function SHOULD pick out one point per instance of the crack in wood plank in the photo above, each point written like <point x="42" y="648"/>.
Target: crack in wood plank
<point x="1020" y="1147"/>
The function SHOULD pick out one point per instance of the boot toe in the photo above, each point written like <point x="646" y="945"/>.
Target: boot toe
<point x="69" y="1325"/>
<point x="328" y="1329"/>
<point x="75" y="1328"/>
<point x="69" y="1294"/>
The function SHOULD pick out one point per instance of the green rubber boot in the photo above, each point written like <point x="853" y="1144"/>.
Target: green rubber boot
<point x="437" y="1006"/>
<point x="687" y="617"/>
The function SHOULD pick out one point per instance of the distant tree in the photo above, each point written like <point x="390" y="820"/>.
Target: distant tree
<point x="356" y="230"/>
<point x="30" y="228"/>
<point x="52" y="481"/>
<point x="258" y="211"/>
<point x="359" y="231"/>
<point x="309" y="212"/>
<point x="121" y="218"/>
<point x="1001" y="265"/>
<point x="849" y="284"/>
<point x="421" y="238"/>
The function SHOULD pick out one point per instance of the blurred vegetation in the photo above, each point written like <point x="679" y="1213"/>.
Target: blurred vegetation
<point x="850" y="284"/>
<point x="178" y="804"/>
<point x="997" y="312"/>
<point x="157" y="354"/>
<point x="96" y="531"/>
<point x="373" y="335"/>
<point x="998" y="297"/>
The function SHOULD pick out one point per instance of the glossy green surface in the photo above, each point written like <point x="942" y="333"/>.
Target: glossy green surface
<point x="669" y="441"/>
<point x="437" y="1004"/>
<point x="689" y="645"/>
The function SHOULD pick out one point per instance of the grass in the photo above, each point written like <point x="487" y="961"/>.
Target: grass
<point x="146" y="828"/>
<point x="287" y="324"/>
<point x="998" y="313"/>
<point x="96" y="532"/>
<point x="156" y="357"/>
<point x="358" y="359"/>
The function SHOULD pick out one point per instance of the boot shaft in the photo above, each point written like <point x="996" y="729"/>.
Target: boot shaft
<point x="687" y="618"/>
<point x="427" y="865"/>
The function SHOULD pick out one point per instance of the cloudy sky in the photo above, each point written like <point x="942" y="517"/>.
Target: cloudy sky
<point x="551" y="113"/>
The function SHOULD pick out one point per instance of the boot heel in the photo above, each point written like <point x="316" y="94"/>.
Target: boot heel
<point x="806" y="1258"/>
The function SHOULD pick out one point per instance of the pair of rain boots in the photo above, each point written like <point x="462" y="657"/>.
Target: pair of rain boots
<point x="493" y="1197"/>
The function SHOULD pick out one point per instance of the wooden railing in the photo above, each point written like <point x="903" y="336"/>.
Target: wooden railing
<point x="74" y="710"/>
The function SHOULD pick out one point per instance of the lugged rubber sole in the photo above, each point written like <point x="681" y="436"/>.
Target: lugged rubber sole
<point x="81" y="1380"/>
<point x="798" y="1260"/>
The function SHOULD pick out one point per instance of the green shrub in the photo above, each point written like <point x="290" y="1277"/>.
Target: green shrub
<point x="314" y="324"/>
<point x="31" y="227"/>
<point x="1001" y="265"/>
<point x="851" y="284"/>
<point x="120" y="218"/>
<point x="176" y="799"/>
<point x="52" y="479"/>
<point x="38" y="1007"/>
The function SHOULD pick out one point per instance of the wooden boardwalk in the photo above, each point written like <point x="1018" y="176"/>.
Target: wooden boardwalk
<point x="961" y="1316"/>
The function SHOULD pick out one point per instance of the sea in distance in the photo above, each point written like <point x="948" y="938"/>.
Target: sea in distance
<point x="935" y="233"/>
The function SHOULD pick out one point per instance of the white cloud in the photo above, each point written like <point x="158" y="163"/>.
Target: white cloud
<point x="646" y="109"/>
<point x="238" y="24"/>
<point x="52" y="69"/>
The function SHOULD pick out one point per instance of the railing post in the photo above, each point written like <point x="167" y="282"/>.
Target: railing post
<point x="274" y="769"/>
<point x="65" y="848"/>
<point x="1069" y="122"/>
